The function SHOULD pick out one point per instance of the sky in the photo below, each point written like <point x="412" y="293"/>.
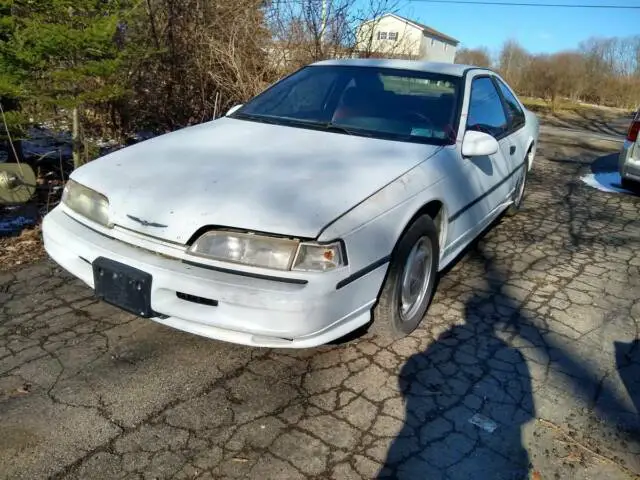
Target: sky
<point x="538" y="29"/>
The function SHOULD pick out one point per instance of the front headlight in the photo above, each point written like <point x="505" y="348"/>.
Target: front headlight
<point x="268" y="252"/>
<point x="249" y="249"/>
<point x="86" y="202"/>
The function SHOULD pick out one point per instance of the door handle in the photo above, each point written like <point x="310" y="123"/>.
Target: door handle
<point x="512" y="149"/>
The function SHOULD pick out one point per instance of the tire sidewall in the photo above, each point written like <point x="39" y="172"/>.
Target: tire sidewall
<point x="522" y="184"/>
<point x="521" y="187"/>
<point x="394" y="323"/>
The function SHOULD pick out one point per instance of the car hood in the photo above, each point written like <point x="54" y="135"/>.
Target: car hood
<point x="247" y="175"/>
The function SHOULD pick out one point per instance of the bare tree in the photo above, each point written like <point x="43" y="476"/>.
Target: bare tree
<point x="311" y="30"/>
<point x="477" y="56"/>
<point x="572" y="74"/>
<point x="193" y="59"/>
<point x="602" y="70"/>
<point x="613" y="70"/>
<point x="512" y="62"/>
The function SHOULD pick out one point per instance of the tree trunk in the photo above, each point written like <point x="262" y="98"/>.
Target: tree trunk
<point x="77" y="141"/>
<point x="323" y="26"/>
<point x="553" y="101"/>
<point x="152" y="23"/>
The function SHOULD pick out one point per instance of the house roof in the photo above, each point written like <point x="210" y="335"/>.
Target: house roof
<point x="426" y="29"/>
<point x="454" y="69"/>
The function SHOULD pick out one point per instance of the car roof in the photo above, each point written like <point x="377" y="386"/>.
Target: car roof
<point x="454" y="69"/>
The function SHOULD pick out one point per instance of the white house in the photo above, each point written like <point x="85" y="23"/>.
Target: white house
<point x="394" y="36"/>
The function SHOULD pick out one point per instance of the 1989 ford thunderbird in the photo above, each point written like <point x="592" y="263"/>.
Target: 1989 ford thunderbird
<point x="326" y="203"/>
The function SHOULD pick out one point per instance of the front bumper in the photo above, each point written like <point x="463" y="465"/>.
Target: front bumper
<point x="629" y="161"/>
<point x="250" y="311"/>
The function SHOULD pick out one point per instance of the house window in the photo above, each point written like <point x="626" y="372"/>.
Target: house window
<point x="393" y="35"/>
<point x="444" y="46"/>
<point x="382" y="35"/>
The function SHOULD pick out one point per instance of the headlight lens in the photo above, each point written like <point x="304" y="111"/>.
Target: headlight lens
<point x="319" y="258"/>
<point x="268" y="252"/>
<point x="87" y="202"/>
<point x="249" y="249"/>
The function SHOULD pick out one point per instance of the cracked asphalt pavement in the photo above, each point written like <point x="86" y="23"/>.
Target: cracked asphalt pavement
<point x="527" y="366"/>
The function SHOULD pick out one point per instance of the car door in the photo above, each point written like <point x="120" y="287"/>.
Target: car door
<point x="486" y="113"/>
<point x="517" y="134"/>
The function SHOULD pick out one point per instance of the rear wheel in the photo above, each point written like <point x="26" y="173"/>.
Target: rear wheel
<point x="410" y="281"/>
<point x="518" y="196"/>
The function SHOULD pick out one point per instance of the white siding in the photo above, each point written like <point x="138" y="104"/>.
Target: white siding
<point x="408" y="40"/>
<point x="435" y="50"/>
<point x="409" y="37"/>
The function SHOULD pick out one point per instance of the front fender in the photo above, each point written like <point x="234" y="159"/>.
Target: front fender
<point x="371" y="229"/>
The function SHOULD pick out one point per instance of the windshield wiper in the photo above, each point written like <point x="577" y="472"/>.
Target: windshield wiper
<point x="338" y="128"/>
<point x="332" y="127"/>
<point x="256" y="118"/>
<point x="329" y="126"/>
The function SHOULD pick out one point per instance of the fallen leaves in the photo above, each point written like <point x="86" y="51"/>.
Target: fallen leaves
<point x="23" y="249"/>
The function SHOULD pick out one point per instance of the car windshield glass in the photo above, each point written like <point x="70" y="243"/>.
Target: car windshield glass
<point x="376" y="102"/>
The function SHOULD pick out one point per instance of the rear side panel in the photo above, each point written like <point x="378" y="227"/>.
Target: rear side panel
<point x="629" y="160"/>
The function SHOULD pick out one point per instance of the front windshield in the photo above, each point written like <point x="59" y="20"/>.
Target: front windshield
<point x="377" y="102"/>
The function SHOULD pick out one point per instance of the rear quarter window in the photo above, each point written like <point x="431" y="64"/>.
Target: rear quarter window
<point x="516" y="115"/>
<point x="432" y="101"/>
<point x="417" y="86"/>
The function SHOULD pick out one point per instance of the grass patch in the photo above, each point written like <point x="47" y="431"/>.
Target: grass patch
<point x="568" y="111"/>
<point x="540" y="105"/>
<point x="564" y="105"/>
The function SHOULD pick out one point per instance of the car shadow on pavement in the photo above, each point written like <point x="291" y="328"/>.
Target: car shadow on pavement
<point x="468" y="396"/>
<point x="608" y="164"/>
<point x="602" y="163"/>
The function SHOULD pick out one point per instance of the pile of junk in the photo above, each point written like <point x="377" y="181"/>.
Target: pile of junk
<point x="32" y="175"/>
<point x="33" y="171"/>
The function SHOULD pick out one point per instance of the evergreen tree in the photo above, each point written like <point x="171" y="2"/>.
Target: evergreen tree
<point x="71" y="51"/>
<point x="11" y="86"/>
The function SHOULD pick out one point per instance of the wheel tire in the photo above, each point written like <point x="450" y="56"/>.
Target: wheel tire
<point x="388" y="319"/>
<point x="518" y="196"/>
<point x="630" y="185"/>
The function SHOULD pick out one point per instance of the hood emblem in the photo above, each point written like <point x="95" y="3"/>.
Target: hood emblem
<point x="146" y="223"/>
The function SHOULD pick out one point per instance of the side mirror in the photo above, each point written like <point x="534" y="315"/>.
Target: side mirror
<point x="233" y="109"/>
<point x="478" y="144"/>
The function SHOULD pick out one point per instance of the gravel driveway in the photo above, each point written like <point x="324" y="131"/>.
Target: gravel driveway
<point x="529" y="361"/>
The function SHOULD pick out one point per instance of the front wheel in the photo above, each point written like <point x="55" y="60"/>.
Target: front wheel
<point x="408" y="288"/>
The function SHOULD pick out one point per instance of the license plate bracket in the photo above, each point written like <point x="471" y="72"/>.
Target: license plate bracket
<point x="123" y="286"/>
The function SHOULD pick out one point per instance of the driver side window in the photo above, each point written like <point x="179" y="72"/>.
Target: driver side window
<point x="486" y="113"/>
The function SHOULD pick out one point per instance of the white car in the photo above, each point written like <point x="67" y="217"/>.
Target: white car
<point x="629" y="158"/>
<point x="326" y="203"/>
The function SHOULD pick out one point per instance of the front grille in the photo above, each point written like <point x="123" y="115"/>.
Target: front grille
<point x="194" y="299"/>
